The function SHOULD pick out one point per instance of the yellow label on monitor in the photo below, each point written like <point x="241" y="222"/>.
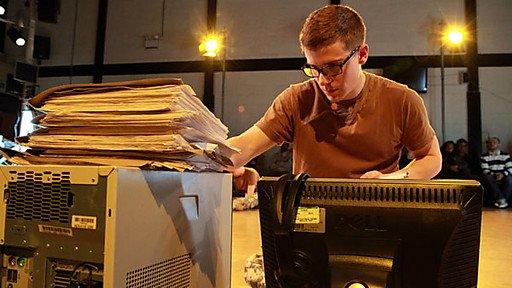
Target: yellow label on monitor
<point x="308" y="215"/>
<point x="310" y="220"/>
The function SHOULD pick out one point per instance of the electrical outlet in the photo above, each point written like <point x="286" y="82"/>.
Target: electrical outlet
<point x="463" y="77"/>
<point x="152" y="42"/>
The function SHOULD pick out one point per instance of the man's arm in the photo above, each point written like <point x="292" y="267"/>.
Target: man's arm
<point x="508" y="166"/>
<point x="252" y="143"/>
<point x="485" y="165"/>
<point x="424" y="167"/>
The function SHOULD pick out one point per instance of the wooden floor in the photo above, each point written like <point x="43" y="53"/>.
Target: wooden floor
<point x="495" y="269"/>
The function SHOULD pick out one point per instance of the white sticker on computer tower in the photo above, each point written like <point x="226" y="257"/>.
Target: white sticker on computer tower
<point x="83" y="222"/>
<point x="315" y="223"/>
<point x="55" y="230"/>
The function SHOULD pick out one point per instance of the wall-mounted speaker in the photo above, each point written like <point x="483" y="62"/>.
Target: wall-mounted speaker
<point x="48" y="11"/>
<point x="42" y="46"/>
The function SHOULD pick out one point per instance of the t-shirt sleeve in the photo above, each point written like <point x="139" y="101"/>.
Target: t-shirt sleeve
<point x="417" y="132"/>
<point x="277" y="123"/>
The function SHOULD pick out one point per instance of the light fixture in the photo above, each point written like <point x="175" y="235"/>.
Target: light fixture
<point x="16" y="36"/>
<point x="211" y="45"/>
<point x="453" y="35"/>
<point x="452" y="38"/>
<point x="3" y="6"/>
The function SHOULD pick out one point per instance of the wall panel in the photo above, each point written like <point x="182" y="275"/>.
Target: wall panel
<point x="494" y="22"/>
<point x="62" y="34"/>
<point x="497" y="105"/>
<point x="129" y="22"/>
<point x="404" y="27"/>
<point x="264" y="28"/>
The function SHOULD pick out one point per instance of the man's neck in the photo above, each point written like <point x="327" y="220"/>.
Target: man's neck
<point x="361" y="79"/>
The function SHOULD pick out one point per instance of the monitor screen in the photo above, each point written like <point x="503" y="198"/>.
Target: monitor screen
<point x="25" y="72"/>
<point x="377" y="233"/>
<point x="408" y="72"/>
<point x="13" y="86"/>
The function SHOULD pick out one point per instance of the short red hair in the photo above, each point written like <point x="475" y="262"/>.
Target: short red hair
<point x="332" y="23"/>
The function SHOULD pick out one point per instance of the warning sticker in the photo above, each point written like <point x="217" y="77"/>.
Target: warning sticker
<point x="310" y="219"/>
<point x="83" y="222"/>
<point x="55" y="230"/>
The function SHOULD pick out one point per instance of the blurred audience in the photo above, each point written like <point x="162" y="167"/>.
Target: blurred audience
<point x="463" y="155"/>
<point x="449" y="167"/>
<point x="277" y="161"/>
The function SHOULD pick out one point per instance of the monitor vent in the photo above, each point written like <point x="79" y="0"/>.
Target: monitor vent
<point x="38" y="196"/>
<point x="392" y="193"/>
<point x="173" y="273"/>
<point x="459" y="265"/>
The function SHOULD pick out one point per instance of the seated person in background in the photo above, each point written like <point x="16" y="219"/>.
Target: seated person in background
<point x="462" y="156"/>
<point x="343" y="122"/>
<point x="276" y="161"/>
<point x="448" y="148"/>
<point x="448" y="153"/>
<point x="497" y="170"/>
<point x="455" y="165"/>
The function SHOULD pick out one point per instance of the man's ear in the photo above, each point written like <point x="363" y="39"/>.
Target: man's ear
<point x="363" y="53"/>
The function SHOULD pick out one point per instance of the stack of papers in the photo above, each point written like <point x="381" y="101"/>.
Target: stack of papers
<point x="154" y="122"/>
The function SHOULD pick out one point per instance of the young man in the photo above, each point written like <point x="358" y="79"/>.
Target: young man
<point x="497" y="170"/>
<point x="343" y="122"/>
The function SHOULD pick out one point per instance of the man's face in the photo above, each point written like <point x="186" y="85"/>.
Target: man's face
<point x="463" y="147"/>
<point x="342" y="86"/>
<point x="492" y="144"/>
<point x="450" y="147"/>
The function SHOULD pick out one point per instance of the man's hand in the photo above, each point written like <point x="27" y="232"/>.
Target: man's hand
<point x="499" y="176"/>
<point x="245" y="178"/>
<point x="374" y="174"/>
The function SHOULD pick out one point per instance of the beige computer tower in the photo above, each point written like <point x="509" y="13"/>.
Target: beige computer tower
<point x="114" y="227"/>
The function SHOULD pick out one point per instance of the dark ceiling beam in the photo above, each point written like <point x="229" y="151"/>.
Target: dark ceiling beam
<point x="374" y="62"/>
<point x="474" y="107"/>
<point x="211" y="23"/>
<point x="101" y="30"/>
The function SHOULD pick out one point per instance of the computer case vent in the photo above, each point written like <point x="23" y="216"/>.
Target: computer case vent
<point x="173" y="273"/>
<point x="42" y="196"/>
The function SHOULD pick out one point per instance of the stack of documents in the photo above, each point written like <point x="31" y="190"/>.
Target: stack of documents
<point x="153" y="122"/>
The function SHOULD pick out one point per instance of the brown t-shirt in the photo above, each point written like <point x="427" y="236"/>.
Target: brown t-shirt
<point x="361" y="135"/>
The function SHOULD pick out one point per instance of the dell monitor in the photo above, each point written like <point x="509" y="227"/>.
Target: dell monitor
<point x="371" y="233"/>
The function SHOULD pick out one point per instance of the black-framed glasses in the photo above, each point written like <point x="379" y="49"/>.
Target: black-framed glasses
<point x="329" y="70"/>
